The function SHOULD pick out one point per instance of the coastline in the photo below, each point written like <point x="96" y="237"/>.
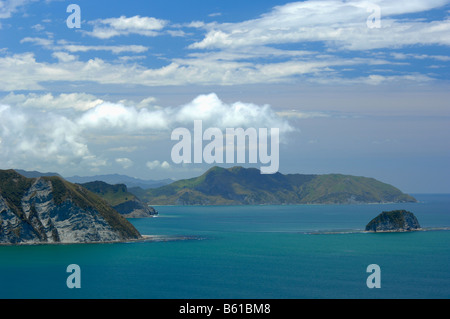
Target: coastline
<point x="300" y="204"/>
<point x="144" y="238"/>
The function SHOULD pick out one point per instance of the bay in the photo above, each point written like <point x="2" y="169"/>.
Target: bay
<point x="275" y="252"/>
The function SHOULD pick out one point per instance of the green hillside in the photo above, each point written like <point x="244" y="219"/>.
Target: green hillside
<point x="121" y="199"/>
<point x="241" y="186"/>
<point x="113" y="194"/>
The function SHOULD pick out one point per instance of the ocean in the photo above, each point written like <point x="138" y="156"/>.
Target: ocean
<point x="246" y="252"/>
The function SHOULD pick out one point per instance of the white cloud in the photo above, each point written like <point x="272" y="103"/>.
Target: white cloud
<point x="24" y="72"/>
<point x="165" y="165"/>
<point x="215" y="113"/>
<point x="157" y="165"/>
<point x="40" y="137"/>
<point x="302" y="115"/>
<point x="63" y="45"/>
<point x="403" y="56"/>
<point x="8" y="7"/>
<point x="29" y="136"/>
<point x="153" y="165"/>
<point x="38" y="41"/>
<point x="117" y="116"/>
<point x="126" y="59"/>
<point x="375" y="79"/>
<point x="38" y="27"/>
<point x="114" y="49"/>
<point x="237" y="53"/>
<point x="125" y="162"/>
<point x="112" y="27"/>
<point x="111" y="117"/>
<point x="340" y="24"/>
<point x="76" y="101"/>
<point x="148" y="102"/>
<point x="64" y="57"/>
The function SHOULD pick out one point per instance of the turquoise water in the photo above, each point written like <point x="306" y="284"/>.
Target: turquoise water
<point x="280" y="252"/>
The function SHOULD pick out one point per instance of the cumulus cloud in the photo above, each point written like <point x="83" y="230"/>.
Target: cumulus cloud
<point x="215" y="113"/>
<point x="64" y="138"/>
<point x="208" y="108"/>
<point x="112" y="27"/>
<point x="152" y="165"/>
<point x="32" y="136"/>
<point x="124" y="162"/>
<point x="117" y="116"/>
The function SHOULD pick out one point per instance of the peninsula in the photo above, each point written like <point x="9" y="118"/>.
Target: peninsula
<point x="247" y="186"/>
<point x="49" y="209"/>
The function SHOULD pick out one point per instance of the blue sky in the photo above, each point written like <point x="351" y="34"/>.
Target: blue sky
<point x="351" y="97"/>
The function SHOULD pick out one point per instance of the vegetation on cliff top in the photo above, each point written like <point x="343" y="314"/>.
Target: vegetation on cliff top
<point x="241" y="186"/>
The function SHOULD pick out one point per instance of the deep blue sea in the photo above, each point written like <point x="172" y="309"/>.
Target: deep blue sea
<point x="247" y="252"/>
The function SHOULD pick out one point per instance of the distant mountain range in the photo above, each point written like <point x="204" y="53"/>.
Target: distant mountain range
<point x="114" y="179"/>
<point x="35" y="174"/>
<point x="111" y="179"/>
<point x="241" y="186"/>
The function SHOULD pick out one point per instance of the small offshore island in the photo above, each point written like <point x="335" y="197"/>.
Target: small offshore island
<point x="394" y="221"/>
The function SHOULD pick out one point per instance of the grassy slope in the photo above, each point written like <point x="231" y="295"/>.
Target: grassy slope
<point x="12" y="188"/>
<point x="113" y="194"/>
<point x="337" y="188"/>
<point x="219" y="186"/>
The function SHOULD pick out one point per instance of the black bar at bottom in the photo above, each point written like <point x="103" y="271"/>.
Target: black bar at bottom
<point x="214" y="308"/>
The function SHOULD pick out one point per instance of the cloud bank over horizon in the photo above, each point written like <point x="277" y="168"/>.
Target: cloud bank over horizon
<point x="38" y="128"/>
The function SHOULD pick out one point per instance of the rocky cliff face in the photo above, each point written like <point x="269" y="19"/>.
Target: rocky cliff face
<point x="51" y="210"/>
<point x="398" y="220"/>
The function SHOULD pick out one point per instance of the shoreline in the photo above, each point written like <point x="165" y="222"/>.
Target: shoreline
<point x="144" y="238"/>
<point x="300" y="204"/>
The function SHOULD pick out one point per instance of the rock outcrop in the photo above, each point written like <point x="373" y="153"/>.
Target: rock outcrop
<point x="394" y="221"/>
<point x="52" y="210"/>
